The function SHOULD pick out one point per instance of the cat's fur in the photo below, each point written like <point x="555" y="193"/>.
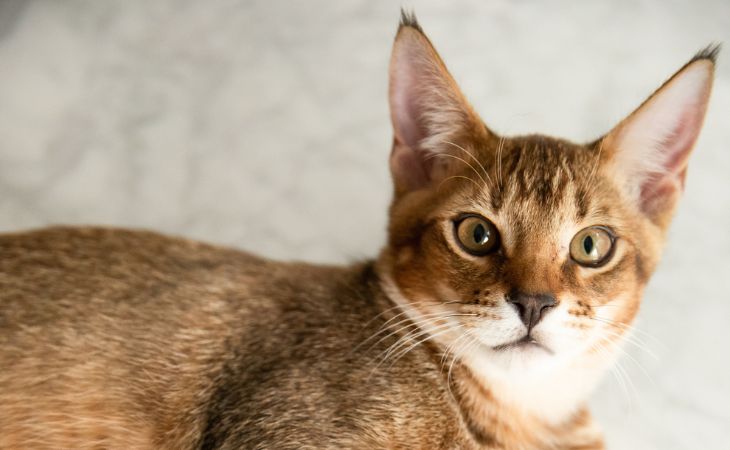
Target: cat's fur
<point x="127" y="339"/>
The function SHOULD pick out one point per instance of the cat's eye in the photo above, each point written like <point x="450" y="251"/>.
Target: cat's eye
<point x="477" y="235"/>
<point x="592" y="246"/>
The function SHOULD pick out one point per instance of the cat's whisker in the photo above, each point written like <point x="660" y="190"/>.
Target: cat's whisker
<point x="615" y="347"/>
<point x="481" y="166"/>
<point x="410" y="303"/>
<point x="629" y="336"/>
<point x="399" y="314"/>
<point x="635" y="361"/>
<point x="637" y="344"/>
<point x="429" y="336"/>
<point x="457" y="177"/>
<point x="420" y="331"/>
<point x="620" y="369"/>
<point x="424" y="319"/>
<point x="634" y="393"/>
<point x="613" y="367"/>
<point x="451" y="349"/>
<point x="619" y="377"/>
<point x="417" y="331"/>
<point x="630" y="328"/>
<point x="382" y="329"/>
<point x="385" y="311"/>
<point x="388" y="325"/>
<point x="421" y="303"/>
<point x="402" y="341"/>
<point x="449" y="155"/>
<point x="625" y="333"/>
<point x="473" y="341"/>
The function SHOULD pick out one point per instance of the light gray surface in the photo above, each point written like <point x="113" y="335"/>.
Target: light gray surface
<point x="264" y="125"/>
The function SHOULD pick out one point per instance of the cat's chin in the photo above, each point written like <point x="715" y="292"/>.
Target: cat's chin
<point x="524" y="355"/>
<point x="524" y="344"/>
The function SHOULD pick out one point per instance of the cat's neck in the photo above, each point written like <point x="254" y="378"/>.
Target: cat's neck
<point x="494" y="415"/>
<point x="553" y="396"/>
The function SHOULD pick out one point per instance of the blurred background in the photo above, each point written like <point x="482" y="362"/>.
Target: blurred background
<point x="264" y="125"/>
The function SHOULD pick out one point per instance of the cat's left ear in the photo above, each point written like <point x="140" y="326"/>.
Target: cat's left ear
<point x="648" y="151"/>
<point x="432" y="121"/>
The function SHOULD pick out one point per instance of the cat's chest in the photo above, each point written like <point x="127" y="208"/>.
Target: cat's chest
<point x="467" y="415"/>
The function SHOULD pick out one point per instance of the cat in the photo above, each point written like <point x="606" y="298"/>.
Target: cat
<point x="513" y="270"/>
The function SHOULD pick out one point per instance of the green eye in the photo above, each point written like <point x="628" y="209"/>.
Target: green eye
<point x="477" y="235"/>
<point x="592" y="246"/>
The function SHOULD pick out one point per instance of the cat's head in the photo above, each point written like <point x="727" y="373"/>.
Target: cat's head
<point x="528" y="249"/>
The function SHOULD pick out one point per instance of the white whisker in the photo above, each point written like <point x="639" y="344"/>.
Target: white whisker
<point x="423" y="319"/>
<point x="430" y="335"/>
<point x="448" y="155"/>
<point x="481" y="166"/>
<point x="456" y="177"/>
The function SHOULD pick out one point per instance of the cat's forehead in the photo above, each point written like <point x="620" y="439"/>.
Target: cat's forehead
<point x="539" y="169"/>
<point x="534" y="169"/>
<point x="537" y="184"/>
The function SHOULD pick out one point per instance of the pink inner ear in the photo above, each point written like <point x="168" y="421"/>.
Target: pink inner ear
<point x="679" y="143"/>
<point x="661" y="188"/>
<point x="657" y="193"/>
<point x="406" y="106"/>
<point x="654" y="143"/>
<point x="427" y="110"/>
<point x="412" y="76"/>
<point x="409" y="163"/>
<point x="411" y="130"/>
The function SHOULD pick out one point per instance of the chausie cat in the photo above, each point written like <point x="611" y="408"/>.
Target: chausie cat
<point x="513" y="268"/>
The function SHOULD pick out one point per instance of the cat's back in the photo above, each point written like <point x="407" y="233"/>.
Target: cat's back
<point x="127" y="339"/>
<point x="68" y="275"/>
<point x="105" y="331"/>
<point x="91" y="252"/>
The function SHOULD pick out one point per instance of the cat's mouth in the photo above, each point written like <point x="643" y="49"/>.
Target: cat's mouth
<point x="525" y="342"/>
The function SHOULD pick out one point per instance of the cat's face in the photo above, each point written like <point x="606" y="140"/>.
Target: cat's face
<point x="529" y="250"/>
<point x="510" y="248"/>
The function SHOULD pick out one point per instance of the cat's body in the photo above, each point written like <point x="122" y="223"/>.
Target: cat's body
<point x="513" y="271"/>
<point x="136" y="340"/>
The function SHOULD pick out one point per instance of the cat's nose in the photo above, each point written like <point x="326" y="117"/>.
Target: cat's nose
<point x="531" y="307"/>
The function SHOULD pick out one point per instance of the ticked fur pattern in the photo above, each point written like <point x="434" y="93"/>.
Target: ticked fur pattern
<point x="114" y="338"/>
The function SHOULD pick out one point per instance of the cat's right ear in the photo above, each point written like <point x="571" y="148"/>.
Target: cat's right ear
<point x="429" y="114"/>
<point x="647" y="152"/>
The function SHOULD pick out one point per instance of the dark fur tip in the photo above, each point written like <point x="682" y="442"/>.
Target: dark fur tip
<point x="408" y="19"/>
<point x="710" y="52"/>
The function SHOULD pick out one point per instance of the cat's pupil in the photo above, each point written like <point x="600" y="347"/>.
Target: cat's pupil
<point x="588" y="244"/>
<point x="480" y="234"/>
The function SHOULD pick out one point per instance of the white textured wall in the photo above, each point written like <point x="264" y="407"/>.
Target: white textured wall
<point x="264" y="125"/>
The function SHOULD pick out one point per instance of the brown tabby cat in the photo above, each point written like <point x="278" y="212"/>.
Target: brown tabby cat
<point x="513" y="269"/>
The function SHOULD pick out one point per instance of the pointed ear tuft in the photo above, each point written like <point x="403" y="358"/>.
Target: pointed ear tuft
<point x="710" y="52"/>
<point x="648" y="151"/>
<point x="427" y="110"/>
<point x="408" y="19"/>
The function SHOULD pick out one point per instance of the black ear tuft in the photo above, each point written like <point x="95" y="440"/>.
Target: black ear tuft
<point x="710" y="52"/>
<point x="408" y="19"/>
